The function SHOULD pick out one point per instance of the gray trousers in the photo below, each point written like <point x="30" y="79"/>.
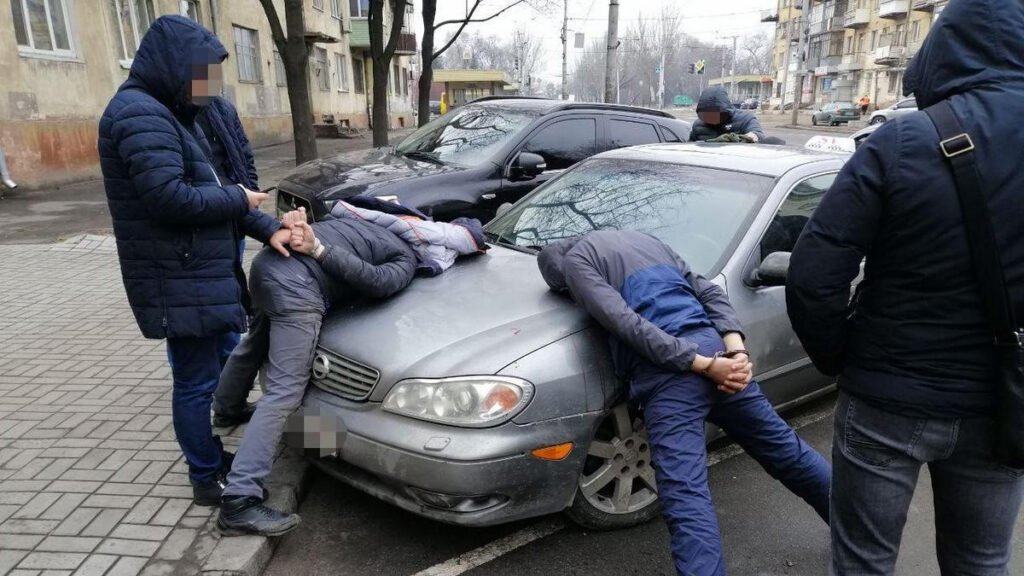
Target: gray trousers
<point x="282" y="336"/>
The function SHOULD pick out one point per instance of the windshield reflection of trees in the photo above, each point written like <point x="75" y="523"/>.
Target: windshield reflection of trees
<point x="471" y="132"/>
<point x="620" y="195"/>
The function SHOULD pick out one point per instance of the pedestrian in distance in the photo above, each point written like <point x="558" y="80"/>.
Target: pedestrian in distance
<point x="864" y="104"/>
<point x="676" y="339"/>
<point x="916" y="354"/>
<point x="177" y="227"/>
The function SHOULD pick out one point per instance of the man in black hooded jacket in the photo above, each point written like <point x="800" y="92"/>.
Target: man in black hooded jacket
<point x="914" y="352"/>
<point x="716" y="117"/>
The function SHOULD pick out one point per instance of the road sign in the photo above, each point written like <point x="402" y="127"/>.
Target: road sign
<point x="699" y="65"/>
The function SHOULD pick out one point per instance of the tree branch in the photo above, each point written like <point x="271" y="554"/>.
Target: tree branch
<point x="276" y="31"/>
<point x="470" y="20"/>
<point x="476" y="4"/>
<point x="397" y="18"/>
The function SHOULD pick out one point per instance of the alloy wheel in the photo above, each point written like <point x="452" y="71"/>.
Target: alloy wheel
<point x="617" y="475"/>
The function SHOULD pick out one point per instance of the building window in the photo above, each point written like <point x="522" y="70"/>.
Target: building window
<point x="321" y="70"/>
<point x="247" y="53"/>
<point x="190" y="9"/>
<point x="915" y="31"/>
<point x="42" y="25"/>
<point x="396" y="79"/>
<point x="358" y="84"/>
<point x="406" y="80"/>
<point x="336" y="9"/>
<point x="282" y="77"/>
<point x="359" y="8"/>
<point x="894" y="81"/>
<point x="133" y="19"/>
<point x="319" y="5"/>
<point x="342" y="71"/>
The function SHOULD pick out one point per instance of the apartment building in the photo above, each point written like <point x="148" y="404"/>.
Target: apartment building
<point x="61" y="60"/>
<point x="852" y="48"/>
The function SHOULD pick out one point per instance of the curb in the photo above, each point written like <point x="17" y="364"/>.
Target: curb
<point x="213" y="555"/>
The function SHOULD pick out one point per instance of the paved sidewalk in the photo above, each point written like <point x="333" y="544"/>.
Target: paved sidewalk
<point x="92" y="481"/>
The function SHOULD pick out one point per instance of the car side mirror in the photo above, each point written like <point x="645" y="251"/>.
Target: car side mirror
<point x="505" y="207"/>
<point x="527" y="166"/>
<point x="773" y="270"/>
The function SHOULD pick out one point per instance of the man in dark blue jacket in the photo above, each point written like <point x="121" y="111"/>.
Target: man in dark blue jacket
<point x="177" y="226"/>
<point x="913" y="350"/>
<point x="716" y="117"/>
<point x="339" y="260"/>
<point x="676" y="338"/>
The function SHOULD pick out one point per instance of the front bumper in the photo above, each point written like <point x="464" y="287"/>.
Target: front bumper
<point x="469" y="477"/>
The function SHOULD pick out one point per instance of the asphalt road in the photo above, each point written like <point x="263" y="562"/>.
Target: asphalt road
<point x="765" y="529"/>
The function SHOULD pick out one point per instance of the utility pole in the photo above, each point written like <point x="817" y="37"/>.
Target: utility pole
<point x="798" y="91"/>
<point x="565" y="48"/>
<point x="785" y="63"/>
<point x="732" y="71"/>
<point x="610" y="56"/>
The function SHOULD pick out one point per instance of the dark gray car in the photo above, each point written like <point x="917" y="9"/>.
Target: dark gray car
<point x="480" y="397"/>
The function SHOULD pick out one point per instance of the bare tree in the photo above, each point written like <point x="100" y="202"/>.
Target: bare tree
<point x="429" y="54"/>
<point x="294" y="52"/>
<point x="755" y="55"/>
<point x="520" y="55"/>
<point x="382" y="53"/>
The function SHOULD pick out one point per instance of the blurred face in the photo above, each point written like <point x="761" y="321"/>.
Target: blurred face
<point x="712" y="118"/>
<point x="207" y="81"/>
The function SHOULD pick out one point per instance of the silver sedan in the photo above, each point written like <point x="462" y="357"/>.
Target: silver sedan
<point x="480" y="397"/>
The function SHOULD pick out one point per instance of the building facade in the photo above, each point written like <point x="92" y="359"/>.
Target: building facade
<point x="852" y="48"/>
<point x="743" y="87"/>
<point x="62" y="60"/>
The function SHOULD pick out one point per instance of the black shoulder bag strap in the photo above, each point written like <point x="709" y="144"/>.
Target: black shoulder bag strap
<point x="958" y="148"/>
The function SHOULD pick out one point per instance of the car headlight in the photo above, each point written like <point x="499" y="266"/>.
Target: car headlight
<point x="470" y="401"/>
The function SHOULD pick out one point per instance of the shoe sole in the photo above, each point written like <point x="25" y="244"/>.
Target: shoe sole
<point x="209" y="503"/>
<point x="226" y="531"/>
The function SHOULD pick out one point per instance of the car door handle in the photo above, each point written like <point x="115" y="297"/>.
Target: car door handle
<point x="489" y="196"/>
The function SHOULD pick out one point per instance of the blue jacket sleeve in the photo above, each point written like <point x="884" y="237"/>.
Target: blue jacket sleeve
<point x="745" y="122"/>
<point x="828" y="254"/>
<point x="714" y="300"/>
<point x="372" y="280"/>
<point x="151" y="147"/>
<point x="259" y="225"/>
<point x="590" y="289"/>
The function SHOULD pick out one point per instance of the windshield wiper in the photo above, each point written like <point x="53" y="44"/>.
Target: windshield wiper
<point x="500" y="240"/>
<point x="423" y="155"/>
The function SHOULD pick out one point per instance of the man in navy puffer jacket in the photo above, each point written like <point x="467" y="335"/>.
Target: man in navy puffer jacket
<point x="177" y="226"/>
<point x="914" y="353"/>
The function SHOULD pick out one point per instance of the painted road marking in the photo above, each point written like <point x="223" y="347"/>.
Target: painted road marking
<point x="498" y="548"/>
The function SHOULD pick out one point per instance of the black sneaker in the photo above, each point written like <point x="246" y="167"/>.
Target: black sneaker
<point x="247" y="515"/>
<point x="208" y="493"/>
<point x="232" y="420"/>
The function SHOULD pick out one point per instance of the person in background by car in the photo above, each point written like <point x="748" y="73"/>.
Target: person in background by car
<point x="677" y="340"/>
<point x="177" y="224"/>
<point x="914" y="350"/>
<point x="230" y="154"/>
<point x="716" y="116"/>
<point x="864" y="104"/>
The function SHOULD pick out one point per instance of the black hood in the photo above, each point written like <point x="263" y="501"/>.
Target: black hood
<point x="163" y="64"/>
<point x="715" y="100"/>
<point x="551" y="262"/>
<point x="973" y="44"/>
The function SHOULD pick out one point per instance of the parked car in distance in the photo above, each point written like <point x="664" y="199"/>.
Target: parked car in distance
<point x="435" y="107"/>
<point x="480" y="397"/>
<point x="860" y="136"/>
<point x="835" y="113"/>
<point x="477" y="157"/>
<point x="901" y="108"/>
<point x="750" y="104"/>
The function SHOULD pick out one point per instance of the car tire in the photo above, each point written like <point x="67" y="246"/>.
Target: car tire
<point x="814" y="120"/>
<point x="877" y="120"/>
<point x="617" y="454"/>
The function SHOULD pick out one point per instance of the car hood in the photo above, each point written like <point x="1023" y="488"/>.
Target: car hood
<point x="359" y="172"/>
<point x="481" y="315"/>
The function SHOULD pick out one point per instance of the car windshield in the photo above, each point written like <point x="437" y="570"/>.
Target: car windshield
<point x="699" y="212"/>
<point x="466" y="136"/>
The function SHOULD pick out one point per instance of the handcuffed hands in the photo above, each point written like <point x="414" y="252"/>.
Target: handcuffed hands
<point x="731" y="375"/>
<point x="302" y="239"/>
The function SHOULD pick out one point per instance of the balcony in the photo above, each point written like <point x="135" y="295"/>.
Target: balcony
<point x="858" y="18"/>
<point x="818" y="27"/>
<point x="893" y="8"/>
<point x="923" y="5"/>
<point x="769" y="16"/>
<point x="837" y="23"/>
<point x="406" y="43"/>
<point x="888" y="55"/>
<point x="360" y="38"/>
<point x="852" y="62"/>
<point x="828" y="65"/>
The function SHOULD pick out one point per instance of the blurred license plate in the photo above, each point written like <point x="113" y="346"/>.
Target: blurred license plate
<point x="318" y="433"/>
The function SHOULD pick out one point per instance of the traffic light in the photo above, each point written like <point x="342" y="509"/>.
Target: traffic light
<point x="700" y="66"/>
<point x="693" y="68"/>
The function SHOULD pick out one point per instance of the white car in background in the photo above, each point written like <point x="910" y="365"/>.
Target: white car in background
<point x="905" y="106"/>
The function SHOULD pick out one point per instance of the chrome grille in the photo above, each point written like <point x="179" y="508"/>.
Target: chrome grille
<point x="343" y="376"/>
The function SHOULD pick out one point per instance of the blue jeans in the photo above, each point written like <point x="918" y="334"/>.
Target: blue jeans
<point x="195" y="366"/>
<point x="675" y="408"/>
<point x="877" y="457"/>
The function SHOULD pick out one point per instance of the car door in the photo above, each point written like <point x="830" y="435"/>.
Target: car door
<point x="780" y="362"/>
<point x="562" y="142"/>
<point x="905" y="107"/>
<point x="620" y="132"/>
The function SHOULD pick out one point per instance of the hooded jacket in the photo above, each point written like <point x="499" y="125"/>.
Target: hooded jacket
<point x="642" y="293"/>
<point x="177" y="227"/>
<point x="733" y="122"/>
<point x="230" y="150"/>
<point x="915" y="339"/>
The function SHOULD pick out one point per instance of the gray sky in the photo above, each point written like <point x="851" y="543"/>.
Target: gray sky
<point x="708" y="20"/>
